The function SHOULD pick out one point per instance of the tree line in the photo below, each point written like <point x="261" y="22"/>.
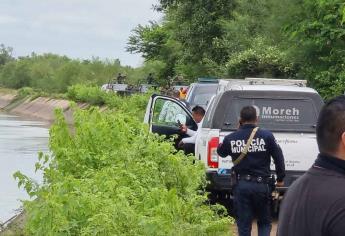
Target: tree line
<point x="55" y="74"/>
<point x="302" y="39"/>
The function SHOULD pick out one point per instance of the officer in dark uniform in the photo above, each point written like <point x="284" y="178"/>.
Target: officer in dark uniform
<point x="315" y="203"/>
<point x="252" y="191"/>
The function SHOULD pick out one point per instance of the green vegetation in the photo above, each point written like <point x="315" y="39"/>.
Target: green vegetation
<point x="302" y="39"/>
<point x="110" y="176"/>
<point x="133" y="105"/>
<point x="51" y="73"/>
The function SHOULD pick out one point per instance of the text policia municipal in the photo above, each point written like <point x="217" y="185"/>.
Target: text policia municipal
<point x="257" y="145"/>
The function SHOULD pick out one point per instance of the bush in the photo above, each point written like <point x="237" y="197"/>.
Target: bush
<point x="134" y="105"/>
<point x="110" y="176"/>
<point x="89" y="94"/>
<point x="261" y="60"/>
<point x="25" y="91"/>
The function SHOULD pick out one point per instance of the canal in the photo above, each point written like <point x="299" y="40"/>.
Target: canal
<point x="20" y="141"/>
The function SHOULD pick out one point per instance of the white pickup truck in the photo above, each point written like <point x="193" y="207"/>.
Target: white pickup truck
<point x="286" y="107"/>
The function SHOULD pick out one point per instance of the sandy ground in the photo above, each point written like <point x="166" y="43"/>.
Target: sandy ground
<point x="255" y="229"/>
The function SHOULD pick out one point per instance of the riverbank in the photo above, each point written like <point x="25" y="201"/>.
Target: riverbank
<point x="101" y="133"/>
<point x="41" y="108"/>
<point x="37" y="108"/>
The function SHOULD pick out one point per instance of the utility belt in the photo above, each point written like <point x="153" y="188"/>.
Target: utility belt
<point x="255" y="179"/>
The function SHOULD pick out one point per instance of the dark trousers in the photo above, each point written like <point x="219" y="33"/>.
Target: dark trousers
<point x="252" y="200"/>
<point x="189" y="148"/>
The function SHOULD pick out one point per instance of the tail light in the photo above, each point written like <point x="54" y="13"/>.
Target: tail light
<point x="212" y="158"/>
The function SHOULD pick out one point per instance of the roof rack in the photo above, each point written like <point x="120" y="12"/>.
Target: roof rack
<point x="208" y="80"/>
<point x="270" y="81"/>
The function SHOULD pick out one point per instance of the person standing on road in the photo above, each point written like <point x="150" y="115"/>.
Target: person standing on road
<point x="251" y="150"/>
<point x="315" y="203"/>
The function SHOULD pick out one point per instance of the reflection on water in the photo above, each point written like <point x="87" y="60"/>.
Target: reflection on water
<point x="20" y="141"/>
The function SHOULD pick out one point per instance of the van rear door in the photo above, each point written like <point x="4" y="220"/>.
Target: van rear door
<point x="291" y="116"/>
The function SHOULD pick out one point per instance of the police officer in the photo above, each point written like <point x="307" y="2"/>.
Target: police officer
<point x="315" y="202"/>
<point x="252" y="190"/>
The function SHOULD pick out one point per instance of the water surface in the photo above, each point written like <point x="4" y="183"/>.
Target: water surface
<point x="20" y="141"/>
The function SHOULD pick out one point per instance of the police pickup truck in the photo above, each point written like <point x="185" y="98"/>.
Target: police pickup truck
<point x="286" y="107"/>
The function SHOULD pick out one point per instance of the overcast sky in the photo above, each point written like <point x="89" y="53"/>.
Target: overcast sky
<point x="76" y="28"/>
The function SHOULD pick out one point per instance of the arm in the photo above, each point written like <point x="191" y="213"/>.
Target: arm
<point x="193" y="134"/>
<point x="278" y="157"/>
<point x="189" y="139"/>
<point x="223" y="149"/>
<point x="190" y="132"/>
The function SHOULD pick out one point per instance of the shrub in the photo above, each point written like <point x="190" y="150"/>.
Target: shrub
<point x="261" y="60"/>
<point x="89" y="94"/>
<point x="110" y="176"/>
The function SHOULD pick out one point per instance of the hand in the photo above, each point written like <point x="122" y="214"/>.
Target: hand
<point x="183" y="128"/>
<point x="280" y="184"/>
<point x="180" y="144"/>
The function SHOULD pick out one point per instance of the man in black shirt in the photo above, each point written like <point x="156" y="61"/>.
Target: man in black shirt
<point x="252" y="192"/>
<point x="315" y="203"/>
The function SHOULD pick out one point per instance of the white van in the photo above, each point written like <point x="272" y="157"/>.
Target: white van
<point x="286" y="107"/>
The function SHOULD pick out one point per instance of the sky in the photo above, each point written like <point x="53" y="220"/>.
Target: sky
<point x="75" y="28"/>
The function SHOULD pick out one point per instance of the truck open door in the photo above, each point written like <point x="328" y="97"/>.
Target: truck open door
<point x="164" y="115"/>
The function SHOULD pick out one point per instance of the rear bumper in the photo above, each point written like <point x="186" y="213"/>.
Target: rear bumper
<point x="218" y="182"/>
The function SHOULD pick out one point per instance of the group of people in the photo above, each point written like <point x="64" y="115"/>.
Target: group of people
<point x="121" y="78"/>
<point x="314" y="204"/>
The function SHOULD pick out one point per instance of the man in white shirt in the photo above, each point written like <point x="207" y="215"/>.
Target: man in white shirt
<point x="188" y="144"/>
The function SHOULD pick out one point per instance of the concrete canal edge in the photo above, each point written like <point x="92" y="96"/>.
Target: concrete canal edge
<point x="40" y="108"/>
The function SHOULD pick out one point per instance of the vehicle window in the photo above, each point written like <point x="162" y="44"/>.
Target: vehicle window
<point x="167" y="112"/>
<point x="275" y="113"/>
<point x="207" y="119"/>
<point x="202" y="94"/>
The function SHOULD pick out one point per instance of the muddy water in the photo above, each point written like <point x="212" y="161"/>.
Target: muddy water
<point x="20" y="141"/>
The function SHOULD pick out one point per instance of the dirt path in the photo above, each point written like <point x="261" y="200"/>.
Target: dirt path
<point x="255" y="229"/>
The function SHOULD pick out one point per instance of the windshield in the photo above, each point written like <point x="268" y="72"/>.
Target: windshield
<point x="202" y="94"/>
<point x="276" y="114"/>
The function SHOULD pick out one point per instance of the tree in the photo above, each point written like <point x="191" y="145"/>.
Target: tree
<point x="5" y="54"/>
<point x="187" y="40"/>
<point x="155" y="43"/>
<point x="316" y="32"/>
